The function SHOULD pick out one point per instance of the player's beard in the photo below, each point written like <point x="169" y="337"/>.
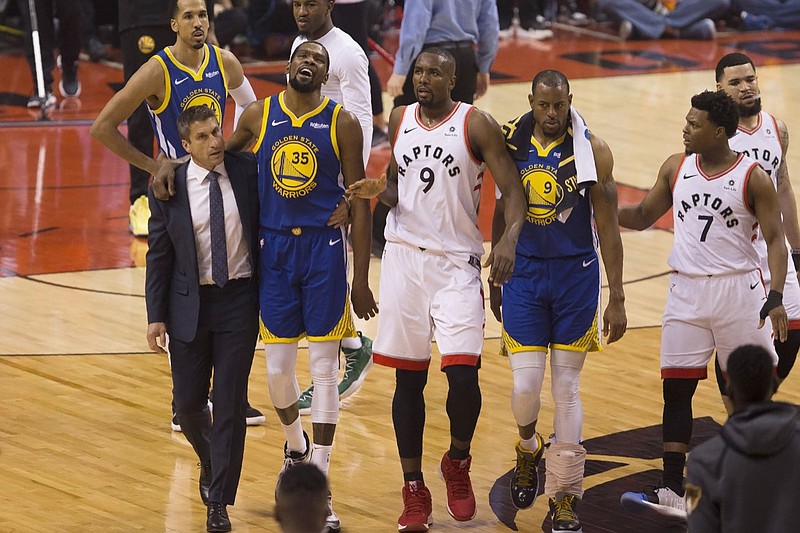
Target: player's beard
<point x="750" y="111"/>
<point x="302" y="87"/>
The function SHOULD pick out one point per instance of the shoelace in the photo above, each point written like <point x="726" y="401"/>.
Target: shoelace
<point x="523" y="474"/>
<point x="310" y="391"/>
<point x="215" y="508"/>
<point x="349" y="364"/>
<point x="415" y="501"/>
<point x="458" y="484"/>
<point x="652" y="493"/>
<point x="563" y="511"/>
<point x="666" y="496"/>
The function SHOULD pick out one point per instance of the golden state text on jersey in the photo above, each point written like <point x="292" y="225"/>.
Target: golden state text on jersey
<point x="300" y="181"/>
<point x="559" y="217"/>
<point x="186" y="88"/>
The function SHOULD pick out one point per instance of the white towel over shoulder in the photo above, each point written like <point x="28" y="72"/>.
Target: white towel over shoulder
<point x="584" y="157"/>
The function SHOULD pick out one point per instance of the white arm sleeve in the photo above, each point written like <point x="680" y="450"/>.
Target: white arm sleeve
<point x="354" y="84"/>
<point x="243" y="95"/>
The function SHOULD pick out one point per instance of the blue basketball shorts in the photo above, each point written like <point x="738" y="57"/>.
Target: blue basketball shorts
<point x="553" y="303"/>
<point x="303" y="290"/>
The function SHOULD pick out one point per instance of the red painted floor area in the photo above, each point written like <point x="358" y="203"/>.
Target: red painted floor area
<point x="64" y="197"/>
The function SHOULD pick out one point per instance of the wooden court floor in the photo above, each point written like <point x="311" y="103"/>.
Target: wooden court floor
<point x="85" y="443"/>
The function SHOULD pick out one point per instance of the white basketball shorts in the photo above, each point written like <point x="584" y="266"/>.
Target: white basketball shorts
<point x="426" y="295"/>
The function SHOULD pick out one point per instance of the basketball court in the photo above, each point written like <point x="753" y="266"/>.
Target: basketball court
<point x="85" y="442"/>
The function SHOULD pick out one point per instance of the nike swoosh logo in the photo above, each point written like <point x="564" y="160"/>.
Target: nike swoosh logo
<point x="332" y="242"/>
<point x="687" y="176"/>
<point x="278" y="123"/>
<point x="178" y="82"/>
<point x="408" y="129"/>
<point x="754" y="285"/>
<point x="587" y="263"/>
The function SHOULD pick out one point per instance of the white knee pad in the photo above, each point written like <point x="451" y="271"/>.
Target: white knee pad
<point x="564" y="465"/>
<point x="324" y="368"/>
<point x="527" y="369"/>
<point x="281" y="374"/>
<point x="565" y="367"/>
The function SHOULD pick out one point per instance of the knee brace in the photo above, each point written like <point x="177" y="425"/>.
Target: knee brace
<point x="564" y="464"/>
<point x="527" y="369"/>
<point x="463" y="400"/>
<point x="282" y="374"/>
<point x="565" y="367"/>
<point x="408" y="411"/>
<point x="324" y="369"/>
<point x="677" y="417"/>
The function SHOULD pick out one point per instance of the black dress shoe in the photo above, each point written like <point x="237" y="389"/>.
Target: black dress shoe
<point x="217" y="518"/>
<point x="205" y="482"/>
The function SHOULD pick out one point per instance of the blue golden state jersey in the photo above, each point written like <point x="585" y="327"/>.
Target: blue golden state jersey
<point x="559" y="218"/>
<point x="299" y="172"/>
<point x="187" y="88"/>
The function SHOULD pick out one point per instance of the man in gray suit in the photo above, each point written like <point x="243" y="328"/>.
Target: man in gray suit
<point x="201" y="289"/>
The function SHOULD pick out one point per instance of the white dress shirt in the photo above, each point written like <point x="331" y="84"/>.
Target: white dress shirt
<point x="238" y="255"/>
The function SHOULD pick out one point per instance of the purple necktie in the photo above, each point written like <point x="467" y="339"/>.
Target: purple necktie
<point x="219" y="248"/>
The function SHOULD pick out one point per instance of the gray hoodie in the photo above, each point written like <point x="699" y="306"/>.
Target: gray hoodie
<point x="747" y="478"/>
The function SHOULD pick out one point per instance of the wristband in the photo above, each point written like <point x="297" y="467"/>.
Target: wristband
<point x="774" y="299"/>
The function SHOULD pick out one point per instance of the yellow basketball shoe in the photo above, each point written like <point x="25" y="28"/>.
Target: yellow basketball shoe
<point x="138" y="217"/>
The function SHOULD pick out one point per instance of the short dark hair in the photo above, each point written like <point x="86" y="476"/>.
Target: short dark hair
<point x="446" y="55"/>
<point x="751" y="376"/>
<point x="327" y="55"/>
<point x="550" y="78"/>
<point x="732" y="60"/>
<point x="172" y="8"/>
<point x="190" y="115"/>
<point x="301" y="489"/>
<point x="721" y="109"/>
<point x="305" y="479"/>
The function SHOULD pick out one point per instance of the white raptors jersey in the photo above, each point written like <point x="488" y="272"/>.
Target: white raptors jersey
<point x="439" y="185"/>
<point x="763" y="144"/>
<point x="714" y="226"/>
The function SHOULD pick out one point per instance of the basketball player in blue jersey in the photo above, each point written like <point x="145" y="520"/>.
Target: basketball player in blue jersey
<point x="308" y="150"/>
<point x="183" y="75"/>
<point x="552" y="301"/>
<point x="717" y="298"/>
<point x="186" y="74"/>
<point x="347" y="84"/>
